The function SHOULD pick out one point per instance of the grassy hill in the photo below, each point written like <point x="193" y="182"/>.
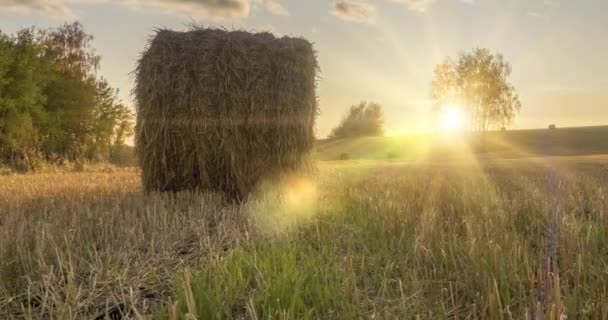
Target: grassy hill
<point x="508" y="144"/>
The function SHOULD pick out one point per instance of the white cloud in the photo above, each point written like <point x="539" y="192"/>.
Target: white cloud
<point x="53" y="8"/>
<point x="356" y="11"/>
<point x="275" y="8"/>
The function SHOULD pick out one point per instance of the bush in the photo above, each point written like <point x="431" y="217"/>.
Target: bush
<point x="123" y="156"/>
<point x="552" y="127"/>
<point x="364" y="119"/>
<point x="344" y="156"/>
<point x="5" y="171"/>
<point x="79" y="166"/>
<point x="392" y="155"/>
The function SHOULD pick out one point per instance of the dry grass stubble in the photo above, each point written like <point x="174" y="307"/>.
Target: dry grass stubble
<point x="74" y="244"/>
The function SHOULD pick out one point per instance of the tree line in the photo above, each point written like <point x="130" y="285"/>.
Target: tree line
<point x="53" y="105"/>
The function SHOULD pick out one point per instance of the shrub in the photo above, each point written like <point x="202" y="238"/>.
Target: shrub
<point x="123" y="156"/>
<point x="364" y="119"/>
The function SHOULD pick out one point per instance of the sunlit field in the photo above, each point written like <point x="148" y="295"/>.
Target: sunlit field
<point x="483" y="239"/>
<point x="578" y="141"/>
<point x="303" y="160"/>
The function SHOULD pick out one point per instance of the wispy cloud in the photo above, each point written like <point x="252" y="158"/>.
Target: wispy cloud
<point x="53" y="8"/>
<point x="275" y="8"/>
<point x="227" y="9"/>
<point x="356" y="11"/>
<point x="424" y="5"/>
<point x="417" y="5"/>
<point x="222" y="9"/>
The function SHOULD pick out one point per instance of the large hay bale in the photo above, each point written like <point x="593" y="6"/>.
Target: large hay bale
<point x="219" y="110"/>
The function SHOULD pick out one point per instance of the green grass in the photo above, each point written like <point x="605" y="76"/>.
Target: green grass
<point x="413" y="242"/>
<point x="270" y="280"/>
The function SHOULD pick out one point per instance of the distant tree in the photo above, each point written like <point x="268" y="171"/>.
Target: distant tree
<point x="364" y="119"/>
<point x="552" y="127"/>
<point x="112" y="122"/>
<point x="478" y="81"/>
<point x="124" y="129"/>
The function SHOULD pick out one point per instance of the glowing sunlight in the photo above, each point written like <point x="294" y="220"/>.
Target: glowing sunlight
<point x="452" y="119"/>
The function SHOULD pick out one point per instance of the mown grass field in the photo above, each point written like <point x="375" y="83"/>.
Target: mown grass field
<point x="477" y="238"/>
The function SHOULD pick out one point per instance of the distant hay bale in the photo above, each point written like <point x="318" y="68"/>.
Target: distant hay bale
<point x="220" y="111"/>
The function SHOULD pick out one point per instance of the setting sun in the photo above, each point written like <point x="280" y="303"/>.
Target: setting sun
<point x="452" y="118"/>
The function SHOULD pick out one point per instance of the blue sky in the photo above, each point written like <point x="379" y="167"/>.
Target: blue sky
<point x="376" y="50"/>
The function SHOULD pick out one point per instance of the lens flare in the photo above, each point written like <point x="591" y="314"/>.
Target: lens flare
<point x="300" y="192"/>
<point x="285" y="204"/>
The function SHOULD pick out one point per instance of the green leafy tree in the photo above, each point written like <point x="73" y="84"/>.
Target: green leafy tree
<point x="479" y="81"/>
<point x="363" y="119"/>
<point x="22" y="77"/>
<point x="121" y="153"/>
<point x="112" y="121"/>
<point x="124" y="129"/>
<point x="53" y="105"/>
<point x="73" y="90"/>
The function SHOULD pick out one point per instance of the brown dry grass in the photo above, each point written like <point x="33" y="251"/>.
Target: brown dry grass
<point x="75" y="243"/>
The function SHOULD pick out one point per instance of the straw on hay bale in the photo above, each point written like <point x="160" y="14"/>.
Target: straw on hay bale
<point x="220" y="110"/>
